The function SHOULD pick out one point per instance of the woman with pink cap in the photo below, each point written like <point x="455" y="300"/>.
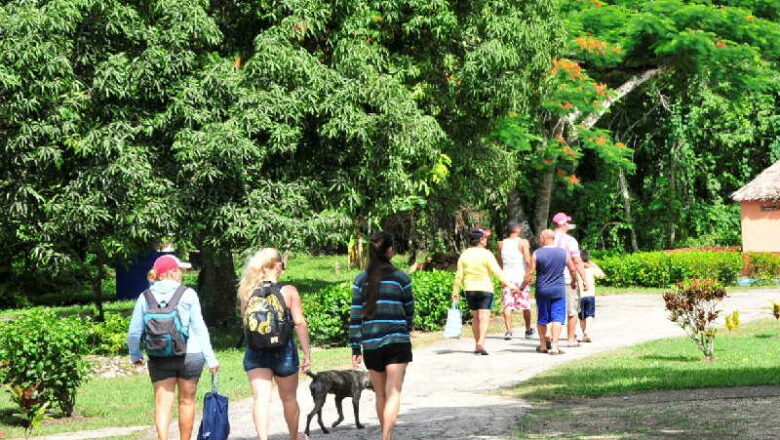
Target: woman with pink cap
<point x="180" y="371"/>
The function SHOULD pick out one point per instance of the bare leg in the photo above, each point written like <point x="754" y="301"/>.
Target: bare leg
<point x="187" y="390"/>
<point x="379" y="380"/>
<point x="393" y="385"/>
<point x="260" y="379"/>
<point x="474" y="327"/>
<point x="587" y="325"/>
<point x="163" y="401"/>
<point x="508" y="319"/>
<point x="542" y="330"/>
<point x="288" y="386"/>
<point x="484" y="321"/>
<point x="556" y="333"/>
<point x="571" y="329"/>
<point x="527" y="319"/>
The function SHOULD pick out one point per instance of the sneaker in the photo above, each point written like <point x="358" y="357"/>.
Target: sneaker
<point x="529" y="333"/>
<point x="508" y="336"/>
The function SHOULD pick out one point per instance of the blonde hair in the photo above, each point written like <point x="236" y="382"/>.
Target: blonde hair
<point x="256" y="271"/>
<point x="545" y="235"/>
<point x="152" y="276"/>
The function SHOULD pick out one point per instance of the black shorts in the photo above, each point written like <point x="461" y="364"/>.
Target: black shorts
<point x="587" y="307"/>
<point x="479" y="300"/>
<point x="378" y="359"/>
<point x="187" y="367"/>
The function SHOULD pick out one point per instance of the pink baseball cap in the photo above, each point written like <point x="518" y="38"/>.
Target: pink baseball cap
<point x="561" y="218"/>
<point x="167" y="263"/>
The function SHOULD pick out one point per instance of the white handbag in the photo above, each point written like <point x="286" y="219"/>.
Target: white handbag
<point x="454" y="325"/>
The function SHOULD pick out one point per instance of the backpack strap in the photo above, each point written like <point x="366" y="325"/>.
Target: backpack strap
<point x="151" y="302"/>
<point x="176" y="297"/>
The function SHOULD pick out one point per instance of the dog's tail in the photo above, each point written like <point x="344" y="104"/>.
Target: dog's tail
<point x="312" y="375"/>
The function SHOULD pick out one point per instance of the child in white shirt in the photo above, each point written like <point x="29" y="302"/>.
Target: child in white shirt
<point x="588" y="297"/>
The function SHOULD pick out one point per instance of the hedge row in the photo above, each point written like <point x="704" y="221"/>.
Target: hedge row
<point x="662" y="269"/>
<point x="327" y="310"/>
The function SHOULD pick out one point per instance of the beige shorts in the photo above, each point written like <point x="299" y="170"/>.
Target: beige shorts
<point x="572" y="301"/>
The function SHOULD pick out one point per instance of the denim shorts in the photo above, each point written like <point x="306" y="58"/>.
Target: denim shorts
<point x="282" y="361"/>
<point x="187" y="367"/>
<point x="587" y="307"/>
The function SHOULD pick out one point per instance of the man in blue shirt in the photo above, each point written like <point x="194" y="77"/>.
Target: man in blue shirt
<point x="549" y="263"/>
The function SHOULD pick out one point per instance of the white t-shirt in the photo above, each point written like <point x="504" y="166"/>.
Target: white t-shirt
<point x="572" y="247"/>
<point x="591" y="273"/>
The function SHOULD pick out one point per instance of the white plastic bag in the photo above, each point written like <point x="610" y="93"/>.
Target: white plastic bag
<point x="454" y="325"/>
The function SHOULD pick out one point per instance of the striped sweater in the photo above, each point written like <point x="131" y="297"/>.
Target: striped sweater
<point x="392" y="320"/>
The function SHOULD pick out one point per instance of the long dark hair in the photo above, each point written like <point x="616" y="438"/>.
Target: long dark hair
<point x="379" y="265"/>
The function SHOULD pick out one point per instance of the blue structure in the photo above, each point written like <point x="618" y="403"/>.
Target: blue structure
<point x="131" y="277"/>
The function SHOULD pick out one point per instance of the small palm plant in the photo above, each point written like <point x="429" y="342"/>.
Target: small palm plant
<point x="776" y="309"/>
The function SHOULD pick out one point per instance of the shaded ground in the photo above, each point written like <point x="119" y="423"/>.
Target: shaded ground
<point x="747" y="413"/>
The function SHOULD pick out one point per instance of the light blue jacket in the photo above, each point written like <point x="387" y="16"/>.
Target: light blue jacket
<point x="189" y="312"/>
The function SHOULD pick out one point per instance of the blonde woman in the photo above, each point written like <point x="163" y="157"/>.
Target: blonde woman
<point x="180" y="371"/>
<point x="261" y="277"/>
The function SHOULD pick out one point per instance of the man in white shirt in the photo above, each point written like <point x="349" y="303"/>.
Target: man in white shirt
<point x="563" y="225"/>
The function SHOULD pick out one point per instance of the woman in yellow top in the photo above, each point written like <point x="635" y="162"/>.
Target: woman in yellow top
<point x="476" y="268"/>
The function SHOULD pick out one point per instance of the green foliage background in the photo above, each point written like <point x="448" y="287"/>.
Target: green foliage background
<point x="229" y="125"/>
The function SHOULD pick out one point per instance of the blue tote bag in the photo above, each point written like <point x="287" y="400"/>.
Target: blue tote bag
<point x="215" y="424"/>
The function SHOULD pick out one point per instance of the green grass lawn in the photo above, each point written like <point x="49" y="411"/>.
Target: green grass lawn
<point x="748" y="356"/>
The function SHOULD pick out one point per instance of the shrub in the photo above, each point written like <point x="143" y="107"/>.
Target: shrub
<point x="662" y="269"/>
<point x="109" y="337"/>
<point x="762" y="265"/>
<point x="327" y="314"/>
<point x="432" y="299"/>
<point x="693" y="306"/>
<point x="42" y="358"/>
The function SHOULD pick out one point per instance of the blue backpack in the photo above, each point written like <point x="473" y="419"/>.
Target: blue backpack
<point x="164" y="335"/>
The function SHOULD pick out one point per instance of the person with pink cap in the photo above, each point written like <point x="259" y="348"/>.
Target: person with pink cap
<point x="177" y="371"/>
<point x="563" y="224"/>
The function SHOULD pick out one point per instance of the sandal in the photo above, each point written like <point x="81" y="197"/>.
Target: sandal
<point x="555" y="353"/>
<point x="539" y="350"/>
<point x="570" y="345"/>
<point x="302" y="436"/>
<point x="586" y="339"/>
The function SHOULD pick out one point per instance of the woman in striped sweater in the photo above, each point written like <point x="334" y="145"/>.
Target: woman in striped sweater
<point x="381" y="319"/>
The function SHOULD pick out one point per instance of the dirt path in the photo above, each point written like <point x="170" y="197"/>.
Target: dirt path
<point x="448" y="390"/>
<point x="447" y="394"/>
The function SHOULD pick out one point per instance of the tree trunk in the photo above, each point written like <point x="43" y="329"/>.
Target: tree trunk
<point x="217" y="287"/>
<point x="97" y="287"/>
<point x="543" y="199"/>
<point x="624" y="89"/>
<point x="515" y="212"/>
<point x="627" y="209"/>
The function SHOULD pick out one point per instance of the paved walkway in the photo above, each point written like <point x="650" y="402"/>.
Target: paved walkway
<point x="449" y="392"/>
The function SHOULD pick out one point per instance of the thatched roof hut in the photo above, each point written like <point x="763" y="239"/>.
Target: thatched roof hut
<point x="760" y="200"/>
<point x="765" y="187"/>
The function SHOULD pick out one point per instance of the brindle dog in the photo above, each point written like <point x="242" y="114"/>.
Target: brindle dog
<point x="341" y="383"/>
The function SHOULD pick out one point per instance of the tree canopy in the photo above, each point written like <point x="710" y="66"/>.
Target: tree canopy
<point x="230" y="125"/>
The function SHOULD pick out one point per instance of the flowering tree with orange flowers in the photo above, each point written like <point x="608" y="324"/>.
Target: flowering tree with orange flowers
<point x="616" y="49"/>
